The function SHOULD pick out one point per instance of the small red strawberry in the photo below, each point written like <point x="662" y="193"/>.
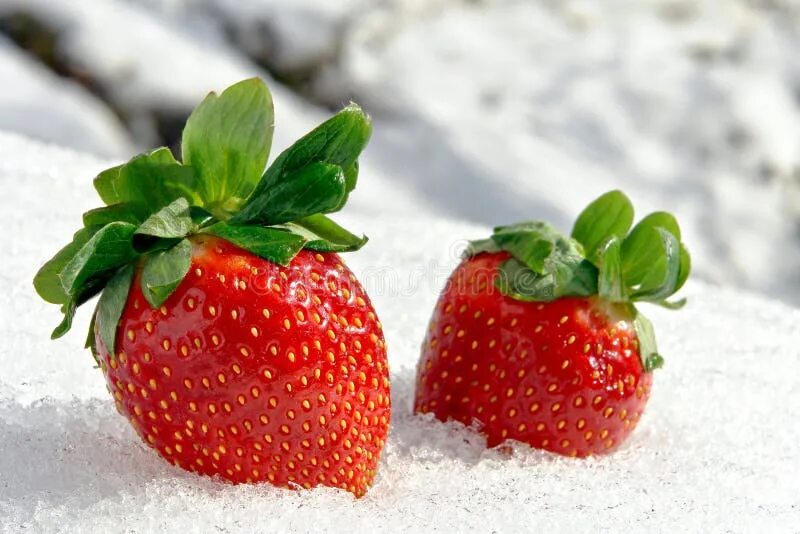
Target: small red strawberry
<point x="535" y="337"/>
<point x="231" y="334"/>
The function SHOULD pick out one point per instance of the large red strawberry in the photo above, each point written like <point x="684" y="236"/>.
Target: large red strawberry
<point x="231" y="334"/>
<point x="536" y="338"/>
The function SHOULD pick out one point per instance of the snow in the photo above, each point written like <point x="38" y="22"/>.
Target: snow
<point x="485" y="113"/>
<point x="38" y="104"/>
<point x="688" y="106"/>
<point x="158" y="69"/>
<point x="493" y="111"/>
<point x="288" y="37"/>
<point x="716" y="450"/>
<point x="163" y="69"/>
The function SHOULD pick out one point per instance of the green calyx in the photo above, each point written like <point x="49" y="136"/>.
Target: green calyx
<point x="154" y="203"/>
<point x="604" y="256"/>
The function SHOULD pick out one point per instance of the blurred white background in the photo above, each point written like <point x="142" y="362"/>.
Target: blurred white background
<point x="485" y="111"/>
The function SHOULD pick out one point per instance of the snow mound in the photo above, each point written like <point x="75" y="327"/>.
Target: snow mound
<point x="687" y="106"/>
<point x="39" y="104"/>
<point x="157" y="73"/>
<point x="716" y="451"/>
<point x="491" y="111"/>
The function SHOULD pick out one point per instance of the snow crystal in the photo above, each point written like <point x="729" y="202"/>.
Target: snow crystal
<point x="716" y="451"/>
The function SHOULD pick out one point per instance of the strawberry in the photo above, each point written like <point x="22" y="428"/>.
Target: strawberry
<point x="230" y="332"/>
<point x="536" y="337"/>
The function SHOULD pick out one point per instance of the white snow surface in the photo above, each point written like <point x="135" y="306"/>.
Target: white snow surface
<point x="527" y="109"/>
<point x="147" y="64"/>
<point x="716" y="451"/>
<point x="500" y="110"/>
<point x="36" y="102"/>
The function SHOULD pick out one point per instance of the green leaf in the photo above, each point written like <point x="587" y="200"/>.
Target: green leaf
<point x="610" y="284"/>
<point x="324" y="235"/>
<point x="200" y="217"/>
<point x="124" y="212"/>
<point x="163" y="271"/>
<point x="654" y="361"/>
<point x="63" y="327"/>
<point x="645" y="333"/>
<point x="685" y="268"/>
<point x="90" y="338"/>
<point x="151" y="180"/>
<point x="660" y="281"/>
<point x="227" y="141"/>
<point x="109" y="248"/>
<point x="642" y="244"/>
<point x="557" y="260"/>
<point x="84" y="293"/>
<point x="350" y="179"/>
<point x="106" y="185"/>
<point x="517" y="280"/>
<point x="315" y="188"/>
<point x="611" y="215"/>
<point x="47" y="282"/>
<point x="532" y="242"/>
<point x="336" y="142"/>
<point x="172" y="221"/>
<point x="110" y="306"/>
<point x="273" y="244"/>
<point x="655" y="263"/>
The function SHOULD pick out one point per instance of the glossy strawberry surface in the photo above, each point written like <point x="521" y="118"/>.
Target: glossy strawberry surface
<point x="257" y="372"/>
<point x="565" y="376"/>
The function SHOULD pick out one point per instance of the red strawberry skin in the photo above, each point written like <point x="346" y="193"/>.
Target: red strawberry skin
<point x="257" y="372"/>
<point x="565" y="376"/>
